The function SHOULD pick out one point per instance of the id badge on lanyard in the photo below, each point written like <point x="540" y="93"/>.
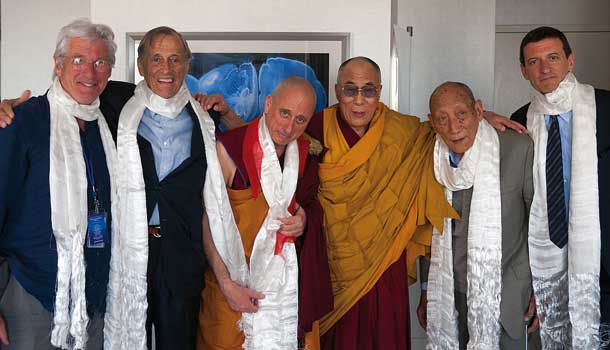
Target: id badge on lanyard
<point x="96" y="219"/>
<point x="96" y="228"/>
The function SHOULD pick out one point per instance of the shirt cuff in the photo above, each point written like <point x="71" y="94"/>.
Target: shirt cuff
<point x="424" y="286"/>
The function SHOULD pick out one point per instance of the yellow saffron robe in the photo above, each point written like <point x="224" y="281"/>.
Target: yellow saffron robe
<point x="379" y="198"/>
<point x="218" y="322"/>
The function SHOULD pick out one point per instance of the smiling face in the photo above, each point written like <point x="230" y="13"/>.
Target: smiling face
<point x="546" y="64"/>
<point x="164" y="65"/>
<point x="288" y="111"/>
<point x="358" y="111"/>
<point x="83" y="82"/>
<point x="455" y="117"/>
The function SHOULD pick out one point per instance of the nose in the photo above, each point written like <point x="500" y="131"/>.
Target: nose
<point x="454" y="125"/>
<point x="288" y="127"/>
<point x="88" y="69"/>
<point x="359" y="98"/>
<point x="165" y="66"/>
<point x="544" y="66"/>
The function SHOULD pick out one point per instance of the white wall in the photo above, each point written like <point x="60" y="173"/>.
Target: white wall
<point x="586" y="24"/>
<point x="552" y="12"/>
<point x="367" y="21"/>
<point x="29" y="30"/>
<point x="452" y="40"/>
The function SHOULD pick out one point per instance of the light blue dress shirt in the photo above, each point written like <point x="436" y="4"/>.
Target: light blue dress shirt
<point x="454" y="159"/>
<point x="565" y="132"/>
<point x="170" y="140"/>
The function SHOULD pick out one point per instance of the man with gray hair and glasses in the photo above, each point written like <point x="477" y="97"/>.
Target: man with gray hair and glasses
<point x="57" y="169"/>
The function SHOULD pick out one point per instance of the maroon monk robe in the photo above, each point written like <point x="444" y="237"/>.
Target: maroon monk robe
<point x="315" y="290"/>
<point x="379" y="320"/>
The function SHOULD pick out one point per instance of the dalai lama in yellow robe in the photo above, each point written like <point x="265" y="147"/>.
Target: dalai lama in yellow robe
<point x="378" y="192"/>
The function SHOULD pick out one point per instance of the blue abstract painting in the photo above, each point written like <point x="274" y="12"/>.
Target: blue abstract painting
<point x="245" y="79"/>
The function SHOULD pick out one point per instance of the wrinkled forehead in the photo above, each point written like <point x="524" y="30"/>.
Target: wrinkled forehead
<point x="450" y="96"/>
<point x="165" y="41"/>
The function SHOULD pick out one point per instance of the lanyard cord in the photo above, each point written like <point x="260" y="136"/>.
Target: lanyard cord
<point x="90" y="176"/>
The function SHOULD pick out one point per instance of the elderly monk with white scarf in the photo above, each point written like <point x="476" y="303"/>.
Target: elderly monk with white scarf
<point x="570" y="216"/>
<point x="479" y="282"/>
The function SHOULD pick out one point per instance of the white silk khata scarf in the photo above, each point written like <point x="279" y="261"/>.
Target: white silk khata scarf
<point x="566" y="281"/>
<point x="479" y="168"/>
<point x="69" y="210"/>
<point x="274" y="325"/>
<point x="126" y="311"/>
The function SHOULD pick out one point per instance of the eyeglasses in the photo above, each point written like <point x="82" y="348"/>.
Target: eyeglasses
<point x="100" y="64"/>
<point x="367" y="91"/>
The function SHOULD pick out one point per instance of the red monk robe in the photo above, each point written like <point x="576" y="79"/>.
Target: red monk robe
<point x="218" y="323"/>
<point x="385" y="308"/>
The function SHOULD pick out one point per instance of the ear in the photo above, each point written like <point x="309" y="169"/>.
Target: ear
<point x="478" y="109"/>
<point x="431" y="121"/>
<point x="140" y="67"/>
<point x="268" y="101"/>
<point x="338" y="92"/>
<point x="57" y="66"/>
<point x="571" y="62"/>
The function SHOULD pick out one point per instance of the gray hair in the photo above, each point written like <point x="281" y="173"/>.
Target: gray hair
<point x="153" y="33"/>
<point x="83" y="28"/>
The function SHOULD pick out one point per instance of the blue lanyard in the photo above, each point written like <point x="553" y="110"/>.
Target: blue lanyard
<point x="89" y="168"/>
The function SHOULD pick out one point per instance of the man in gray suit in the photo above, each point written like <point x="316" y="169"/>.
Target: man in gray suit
<point x="480" y="286"/>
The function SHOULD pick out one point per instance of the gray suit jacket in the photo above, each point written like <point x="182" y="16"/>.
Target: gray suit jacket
<point x="516" y="157"/>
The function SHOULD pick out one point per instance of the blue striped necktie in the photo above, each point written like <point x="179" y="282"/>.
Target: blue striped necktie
<point x="555" y="198"/>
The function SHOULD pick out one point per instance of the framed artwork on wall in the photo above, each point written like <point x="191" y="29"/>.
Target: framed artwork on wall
<point x="246" y="67"/>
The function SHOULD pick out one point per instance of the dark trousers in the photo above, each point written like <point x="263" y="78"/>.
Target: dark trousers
<point x="506" y="342"/>
<point x="174" y="317"/>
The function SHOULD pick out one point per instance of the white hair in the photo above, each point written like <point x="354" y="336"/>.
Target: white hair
<point x="83" y="28"/>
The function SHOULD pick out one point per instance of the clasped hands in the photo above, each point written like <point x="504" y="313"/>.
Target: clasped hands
<point x="243" y="299"/>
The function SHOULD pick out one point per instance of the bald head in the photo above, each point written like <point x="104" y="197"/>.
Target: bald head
<point x="455" y="115"/>
<point x="295" y="85"/>
<point x="288" y="110"/>
<point x="461" y="91"/>
<point x="359" y="59"/>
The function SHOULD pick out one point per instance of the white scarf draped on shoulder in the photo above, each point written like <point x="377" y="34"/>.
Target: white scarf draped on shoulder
<point x="69" y="210"/>
<point x="274" y="325"/>
<point x="126" y="308"/>
<point x="566" y="281"/>
<point x="479" y="168"/>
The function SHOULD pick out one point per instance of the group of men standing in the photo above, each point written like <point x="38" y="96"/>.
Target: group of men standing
<point x="113" y="195"/>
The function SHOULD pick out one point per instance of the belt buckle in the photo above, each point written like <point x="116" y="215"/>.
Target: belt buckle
<point x="155" y="231"/>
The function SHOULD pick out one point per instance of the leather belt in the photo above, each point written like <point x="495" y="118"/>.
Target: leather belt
<point x="154" y="231"/>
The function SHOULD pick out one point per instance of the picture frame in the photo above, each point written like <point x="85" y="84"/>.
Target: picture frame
<point x="323" y="52"/>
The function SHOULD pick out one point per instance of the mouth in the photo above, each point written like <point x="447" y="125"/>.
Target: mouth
<point x="458" y="140"/>
<point x="87" y="84"/>
<point x="547" y="78"/>
<point x="168" y="80"/>
<point x="358" y="114"/>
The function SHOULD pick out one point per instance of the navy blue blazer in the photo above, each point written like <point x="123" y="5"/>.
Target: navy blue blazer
<point x="178" y="195"/>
